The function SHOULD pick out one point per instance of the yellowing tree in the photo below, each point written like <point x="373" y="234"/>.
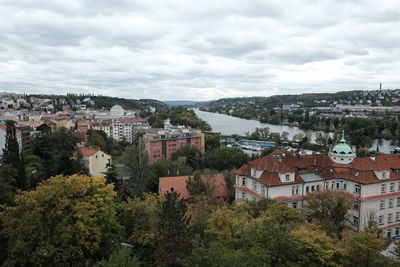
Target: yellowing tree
<point x="67" y="221"/>
<point x="316" y="248"/>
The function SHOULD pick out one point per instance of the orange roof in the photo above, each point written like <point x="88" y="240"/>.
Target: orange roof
<point x="178" y="183"/>
<point x="87" y="151"/>
<point x="83" y="123"/>
<point x="361" y="170"/>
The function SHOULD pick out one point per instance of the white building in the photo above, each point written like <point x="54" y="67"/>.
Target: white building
<point x="374" y="182"/>
<point x="117" y="111"/>
<point x="96" y="160"/>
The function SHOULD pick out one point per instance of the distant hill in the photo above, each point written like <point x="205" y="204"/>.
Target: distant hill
<point x="185" y="103"/>
<point x="107" y="101"/>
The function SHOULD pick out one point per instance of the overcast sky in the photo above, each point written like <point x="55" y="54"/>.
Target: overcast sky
<point x="198" y="50"/>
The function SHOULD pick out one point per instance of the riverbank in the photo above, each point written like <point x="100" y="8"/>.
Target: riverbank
<point x="230" y="125"/>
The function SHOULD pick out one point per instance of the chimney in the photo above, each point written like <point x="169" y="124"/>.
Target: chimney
<point x="380" y="87"/>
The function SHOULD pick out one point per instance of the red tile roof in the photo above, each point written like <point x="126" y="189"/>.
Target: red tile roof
<point x="361" y="170"/>
<point x="178" y="183"/>
<point x="87" y="151"/>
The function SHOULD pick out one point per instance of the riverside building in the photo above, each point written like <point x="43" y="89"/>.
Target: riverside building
<point x="374" y="182"/>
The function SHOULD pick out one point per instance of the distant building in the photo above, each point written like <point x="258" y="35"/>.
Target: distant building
<point x="96" y="160"/>
<point x="23" y="137"/>
<point x="117" y="111"/>
<point x="162" y="143"/>
<point x="215" y="183"/>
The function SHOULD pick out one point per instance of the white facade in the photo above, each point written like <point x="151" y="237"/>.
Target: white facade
<point x="97" y="163"/>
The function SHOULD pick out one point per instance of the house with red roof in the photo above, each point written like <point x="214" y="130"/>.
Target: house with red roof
<point x="95" y="159"/>
<point x="374" y="182"/>
<point x="215" y="184"/>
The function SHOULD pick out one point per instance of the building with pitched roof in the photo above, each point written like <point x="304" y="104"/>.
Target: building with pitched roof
<point x="96" y="160"/>
<point x="374" y="182"/>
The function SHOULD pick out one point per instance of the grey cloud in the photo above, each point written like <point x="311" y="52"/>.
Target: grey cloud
<point x="197" y="49"/>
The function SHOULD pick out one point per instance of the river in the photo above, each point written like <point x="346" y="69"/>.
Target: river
<point x="229" y="125"/>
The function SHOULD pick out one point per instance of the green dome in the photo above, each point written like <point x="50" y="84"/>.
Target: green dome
<point x="342" y="149"/>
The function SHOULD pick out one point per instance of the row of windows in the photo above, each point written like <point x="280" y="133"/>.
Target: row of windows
<point x="390" y="203"/>
<point x="336" y="185"/>
<point x="391" y="187"/>
<point x="381" y="218"/>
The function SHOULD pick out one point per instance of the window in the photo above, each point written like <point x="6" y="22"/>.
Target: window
<point x="380" y="220"/>
<point x="397" y="231"/>
<point x="391" y="203"/>
<point x="398" y="216"/>
<point x="243" y="195"/>
<point x="398" y="201"/>
<point x="293" y="190"/>
<point x="398" y="186"/>
<point x="312" y="188"/>
<point x="263" y="190"/>
<point x="287" y="177"/>
<point x="297" y="189"/>
<point x="326" y="186"/>
<point x="333" y="183"/>
<point x="345" y="186"/>
<point x="255" y="186"/>
<point x="317" y="187"/>
<point x="389" y="233"/>
<point x="384" y="175"/>
<point x="391" y="187"/>
<point x="294" y="205"/>
<point x="357" y="189"/>
<point x="357" y="205"/>
<point x="382" y="204"/>
<point x="307" y="189"/>
<point x="253" y="172"/>
<point x="96" y="156"/>
<point x="390" y="217"/>
<point x="355" y="220"/>
<point x="383" y="188"/>
<point x="243" y="181"/>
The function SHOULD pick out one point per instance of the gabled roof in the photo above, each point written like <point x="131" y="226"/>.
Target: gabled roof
<point x="87" y="151"/>
<point x="361" y="170"/>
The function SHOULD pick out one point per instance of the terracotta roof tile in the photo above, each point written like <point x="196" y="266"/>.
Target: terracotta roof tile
<point x="178" y="183"/>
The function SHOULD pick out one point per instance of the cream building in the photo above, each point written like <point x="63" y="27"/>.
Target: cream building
<point x="374" y="182"/>
<point x="96" y="160"/>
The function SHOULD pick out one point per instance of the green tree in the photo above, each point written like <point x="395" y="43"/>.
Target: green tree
<point x="317" y="249"/>
<point x="226" y="158"/>
<point x="97" y="141"/>
<point x="57" y="153"/>
<point x="173" y="239"/>
<point x="362" y="249"/>
<point x="213" y="141"/>
<point x="192" y="156"/>
<point x="65" y="221"/>
<point x="135" y="161"/>
<point x="121" y="258"/>
<point x="8" y="182"/>
<point x="12" y="156"/>
<point x="329" y="209"/>
<point x="195" y="186"/>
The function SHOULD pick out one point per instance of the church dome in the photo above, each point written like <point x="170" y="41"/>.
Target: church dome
<point x="342" y="148"/>
<point x="342" y="153"/>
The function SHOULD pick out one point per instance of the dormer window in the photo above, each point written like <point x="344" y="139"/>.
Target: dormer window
<point x="384" y="175"/>
<point x="287" y="177"/>
<point x="253" y="172"/>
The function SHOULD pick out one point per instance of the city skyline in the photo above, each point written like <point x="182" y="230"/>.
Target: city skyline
<point x="180" y="51"/>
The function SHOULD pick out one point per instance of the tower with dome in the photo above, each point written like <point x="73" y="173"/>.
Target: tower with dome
<point x="342" y="153"/>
